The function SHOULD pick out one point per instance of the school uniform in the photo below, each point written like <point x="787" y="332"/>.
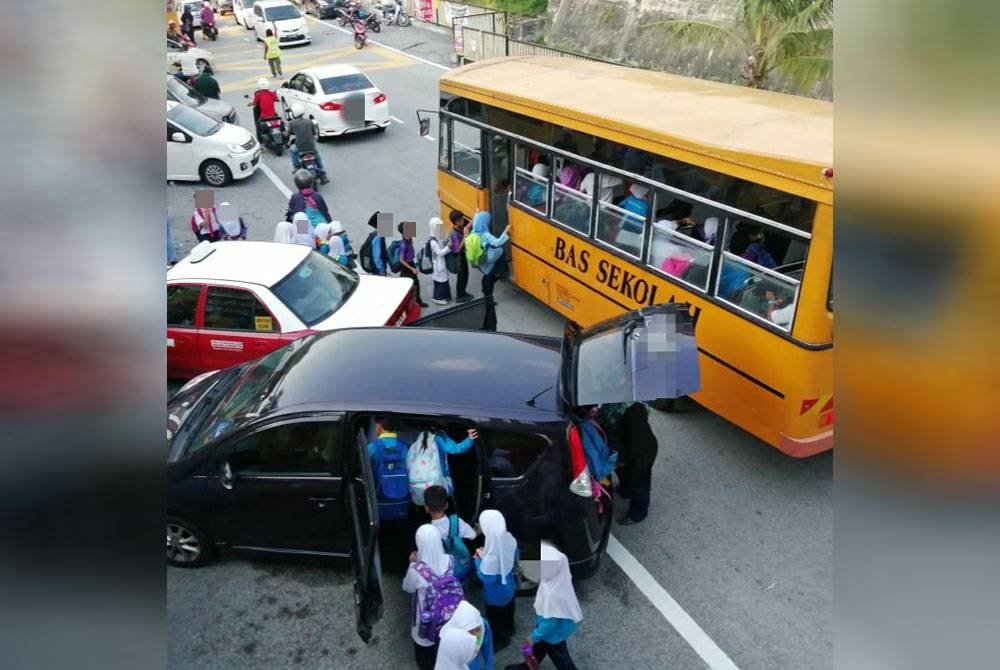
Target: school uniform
<point x="430" y="552"/>
<point x="496" y="573"/>
<point x="459" y="648"/>
<point x="439" y="273"/>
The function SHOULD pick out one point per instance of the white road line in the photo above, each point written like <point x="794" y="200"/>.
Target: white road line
<point x="397" y="120"/>
<point x="429" y="138"/>
<point x="384" y="46"/>
<point x="675" y="615"/>
<point x="287" y="192"/>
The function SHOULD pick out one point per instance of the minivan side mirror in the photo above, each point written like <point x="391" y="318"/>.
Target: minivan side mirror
<point x="178" y="137"/>
<point x="226" y="476"/>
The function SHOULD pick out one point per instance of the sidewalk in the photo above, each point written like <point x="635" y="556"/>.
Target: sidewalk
<point x="427" y="41"/>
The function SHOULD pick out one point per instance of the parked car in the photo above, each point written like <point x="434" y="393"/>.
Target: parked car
<point x="271" y="455"/>
<point x="243" y="13"/>
<point x="229" y="302"/>
<point x="323" y="9"/>
<point x="325" y="90"/>
<point x="220" y="110"/>
<point x="201" y="148"/>
<point x="175" y="49"/>
<point x="284" y="19"/>
<point x="222" y="6"/>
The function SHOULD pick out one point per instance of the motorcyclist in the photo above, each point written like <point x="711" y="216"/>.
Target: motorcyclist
<point x="187" y="26"/>
<point x="305" y="140"/>
<point x="207" y="17"/>
<point x="263" y="103"/>
<point x="306" y="197"/>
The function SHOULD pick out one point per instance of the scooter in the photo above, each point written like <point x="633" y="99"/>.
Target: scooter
<point x="210" y="31"/>
<point x="394" y="12"/>
<point x="272" y="134"/>
<point x="360" y="33"/>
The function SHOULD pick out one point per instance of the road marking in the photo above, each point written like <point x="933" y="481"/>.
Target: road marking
<point x="675" y="615"/>
<point x="399" y="121"/>
<point x="384" y="46"/>
<point x="429" y="138"/>
<point x="287" y="192"/>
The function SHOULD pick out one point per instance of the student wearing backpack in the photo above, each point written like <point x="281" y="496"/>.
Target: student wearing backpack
<point x="453" y="530"/>
<point x="628" y="431"/>
<point x="373" y="255"/>
<point x="495" y="563"/>
<point x="407" y="257"/>
<point x="427" y="461"/>
<point x="466" y="641"/>
<point x="388" y="456"/>
<point x="436" y="594"/>
<point x="307" y="200"/>
<point x="557" y="612"/>
<point x="439" y="250"/>
<point x="489" y="248"/>
<point x="460" y="264"/>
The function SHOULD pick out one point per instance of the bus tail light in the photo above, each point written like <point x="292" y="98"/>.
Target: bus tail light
<point x="826" y="419"/>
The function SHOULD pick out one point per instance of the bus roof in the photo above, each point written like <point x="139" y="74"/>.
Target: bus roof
<point x="784" y="134"/>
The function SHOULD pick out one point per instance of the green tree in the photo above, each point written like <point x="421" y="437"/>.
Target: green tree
<point x="794" y="37"/>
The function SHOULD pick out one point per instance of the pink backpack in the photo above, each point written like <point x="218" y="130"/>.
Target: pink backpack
<point x="677" y="264"/>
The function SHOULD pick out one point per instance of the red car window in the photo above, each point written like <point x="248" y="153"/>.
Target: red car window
<point x="182" y="305"/>
<point x="236" y="309"/>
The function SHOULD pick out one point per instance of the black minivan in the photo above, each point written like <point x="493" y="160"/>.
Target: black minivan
<point x="271" y="455"/>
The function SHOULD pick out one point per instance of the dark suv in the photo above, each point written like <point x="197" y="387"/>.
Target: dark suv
<point x="271" y="455"/>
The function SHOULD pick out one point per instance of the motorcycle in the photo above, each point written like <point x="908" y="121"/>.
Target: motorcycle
<point x="307" y="160"/>
<point x="353" y="11"/>
<point x="272" y="134"/>
<point x="210" y="31"/>
<point x="394" y="12"/>
<point x="360" y="33"/>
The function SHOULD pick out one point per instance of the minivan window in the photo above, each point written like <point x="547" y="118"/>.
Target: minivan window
<point x="184" y="93"/>
<point x="193" y="120"/>
<point x="281" y="13"/>
<point x="316" y="288"/>
<point x="600" y="372"/>
<point x="510" y="454"/>
<point x="292" y="448"/>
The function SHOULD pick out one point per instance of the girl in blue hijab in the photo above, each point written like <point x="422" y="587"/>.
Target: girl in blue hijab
<point x="492" y="249"/>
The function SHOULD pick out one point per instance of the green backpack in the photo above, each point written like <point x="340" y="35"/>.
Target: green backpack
<point x="474" y="251"/>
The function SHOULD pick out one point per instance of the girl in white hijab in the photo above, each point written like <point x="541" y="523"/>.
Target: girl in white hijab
<point x="232" y="225"/>
<point x="430" y="551"/>
<point x="557" y="611"/>
<point x="495" y="568"/>
<point x="335" y="249"/>
<point x="303" y="229"/>
<point x="454" y="652"/>
<point x="439" y="269"/>
<point x="284" y="232"/>
<point x="321" y="233"/>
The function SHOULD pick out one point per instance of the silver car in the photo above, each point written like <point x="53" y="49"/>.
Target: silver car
<point x="178" y="91"/>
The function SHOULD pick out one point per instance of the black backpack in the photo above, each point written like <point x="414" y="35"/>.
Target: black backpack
<point x="425" y="259"/>
<point x="365" y="256"/>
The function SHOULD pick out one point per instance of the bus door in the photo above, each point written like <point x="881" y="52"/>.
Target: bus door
<point x="499" y="181"/>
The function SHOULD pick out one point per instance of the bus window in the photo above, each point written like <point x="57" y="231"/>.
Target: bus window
<point x="571" y="208"/>
<point x="683" y="236"/>
<point x="531" y="178"/>
<point x="444" y="145"/>
<point x="761" y="271"/>
<point x="622" y="225"/>
<point x="466" y="154"/>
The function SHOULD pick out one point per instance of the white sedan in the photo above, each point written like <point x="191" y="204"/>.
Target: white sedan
<point x="199" y="147"/>
<point x="339" y="98"/>
<point x="175" y="50"/>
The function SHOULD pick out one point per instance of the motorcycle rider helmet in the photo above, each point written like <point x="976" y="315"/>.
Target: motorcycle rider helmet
<point x="261" y="84"/>
<point x="298" y="110"/>
<point x="303" y="179"/>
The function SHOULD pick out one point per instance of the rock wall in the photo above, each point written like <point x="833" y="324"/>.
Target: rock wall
<point x="620" y="30"/>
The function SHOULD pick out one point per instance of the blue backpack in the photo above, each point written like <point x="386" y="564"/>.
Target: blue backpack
<point x="454" y="547"/>
<point x="391" y="479"/>
<point x="394" y="250"/>
<point x="600" y="459"/>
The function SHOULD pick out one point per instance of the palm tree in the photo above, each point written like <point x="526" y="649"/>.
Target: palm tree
<point x="794" y="37"/>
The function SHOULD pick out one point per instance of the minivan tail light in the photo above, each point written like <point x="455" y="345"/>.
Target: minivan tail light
<point x="331" y="106"/>
<point x="379" y="99"/>
<point x="581" y="483"/>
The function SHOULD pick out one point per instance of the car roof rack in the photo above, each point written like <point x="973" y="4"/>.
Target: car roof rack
<point x="202" y="251"/>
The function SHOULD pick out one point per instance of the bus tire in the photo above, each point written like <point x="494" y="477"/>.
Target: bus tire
<point x="664" y="404"/>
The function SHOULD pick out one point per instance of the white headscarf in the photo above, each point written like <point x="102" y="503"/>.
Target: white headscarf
<point x="437" y="227"/>
<point x="711" y="226"/>
<point x="430" y="550"/>
<point x="498" y="554"/>
<point x="336" y="246"/>
<point x="456" y="650"/>
<point x="189" y="65"/>
<point x="465" y="618"/>
<point x="638" y="190"/>
<point x="284" y="232"/>
<point x="303" y="232"/>
<point x="556" y="598"/>
<point x="540" y="170"/>
<point x="336" y="227"/>
<point x="322" y="231"/>
<point x="229" y="219"/>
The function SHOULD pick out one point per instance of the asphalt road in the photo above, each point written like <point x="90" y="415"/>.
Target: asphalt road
<point x="739" y="535"/>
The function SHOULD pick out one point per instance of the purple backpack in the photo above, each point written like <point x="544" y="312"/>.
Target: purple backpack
<point x="441" y="598"/>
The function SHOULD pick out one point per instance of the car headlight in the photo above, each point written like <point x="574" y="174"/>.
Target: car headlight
<point x="236" y="148"/>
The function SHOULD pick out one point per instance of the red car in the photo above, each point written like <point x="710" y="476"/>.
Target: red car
<point x="228" y="302"/>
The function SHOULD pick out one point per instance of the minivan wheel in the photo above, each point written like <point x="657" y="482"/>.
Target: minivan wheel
<point x="187" y="545"/>
<point x="664" y="404"/>
<point x="215" y="173"/>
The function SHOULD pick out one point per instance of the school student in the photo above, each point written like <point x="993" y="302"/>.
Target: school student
<point x="495" y="568"/>
<point x="452" y="528"/>
<point x="456" y="241"/>
<point x="439" y="268"/>
<point x="407" y="258"/>
<point x="427" y="460"/>
<point x="557" y="612"/>
<point x="466" y="641"/>
<point x="388" y="456"/>
<point x="428" y="563"/>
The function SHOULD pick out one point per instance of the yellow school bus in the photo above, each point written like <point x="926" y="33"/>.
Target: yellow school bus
<point x="625" y="187"/>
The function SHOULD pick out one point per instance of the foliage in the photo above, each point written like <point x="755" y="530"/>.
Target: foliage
<point x="517" y="7"/>
<point x="794" y="37"/>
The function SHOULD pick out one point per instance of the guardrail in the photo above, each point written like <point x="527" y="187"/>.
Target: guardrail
<point x="476" y="44"/>
<point x="442" y="13"/>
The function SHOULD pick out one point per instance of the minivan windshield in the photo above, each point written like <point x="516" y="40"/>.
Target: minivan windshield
<point x="316" y="288"/>
<point x="281" y="13"/>
<point x="247" y="398"/>
<point x="184" y="93"/>
<point x="193" y="121"/>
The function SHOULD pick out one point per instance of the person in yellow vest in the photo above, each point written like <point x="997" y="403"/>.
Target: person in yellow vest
<point x="272" y="53"/>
